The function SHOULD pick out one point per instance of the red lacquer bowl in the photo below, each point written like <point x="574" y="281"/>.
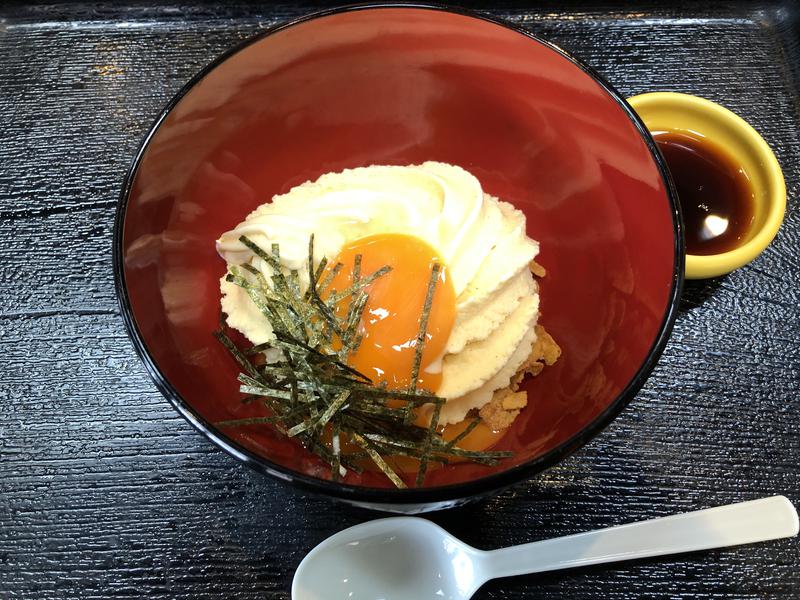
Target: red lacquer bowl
<point x="402" y="85"/>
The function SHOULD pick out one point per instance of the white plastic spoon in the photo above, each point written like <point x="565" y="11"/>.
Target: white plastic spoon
<point x="407" y="558"/>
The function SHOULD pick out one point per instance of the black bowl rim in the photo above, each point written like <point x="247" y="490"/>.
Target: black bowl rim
<point x="442" y="495"/>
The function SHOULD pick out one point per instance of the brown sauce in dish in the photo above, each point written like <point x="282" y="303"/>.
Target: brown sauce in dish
<point x="715" y="193"/>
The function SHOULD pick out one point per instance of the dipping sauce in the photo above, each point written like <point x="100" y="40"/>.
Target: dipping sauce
<point x="715" y="194"/>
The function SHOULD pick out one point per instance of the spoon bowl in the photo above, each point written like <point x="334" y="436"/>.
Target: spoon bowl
<point x="408" y="558"/>
<point x="402" y="557"/>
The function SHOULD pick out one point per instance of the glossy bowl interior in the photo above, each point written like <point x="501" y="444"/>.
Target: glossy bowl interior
<point x="400" y="86"/>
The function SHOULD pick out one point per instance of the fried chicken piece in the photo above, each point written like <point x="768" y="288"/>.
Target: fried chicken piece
<point x="506" y="403"/>
<point x="545" y="347"/>
<point x="503" y="408"/>
<point x="545" y="351"/>
<point x="537" y="269"/>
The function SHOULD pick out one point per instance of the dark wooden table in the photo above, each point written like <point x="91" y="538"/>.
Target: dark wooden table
<point x="105" y="492"/>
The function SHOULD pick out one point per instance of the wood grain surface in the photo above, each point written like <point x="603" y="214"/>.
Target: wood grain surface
<point x="105" y="492"/>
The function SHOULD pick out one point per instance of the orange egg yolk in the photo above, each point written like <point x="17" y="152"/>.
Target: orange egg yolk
<point x="390" y="323"/>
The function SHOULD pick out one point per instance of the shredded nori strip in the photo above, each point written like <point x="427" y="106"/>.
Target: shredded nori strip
<point x="312" y="393"/>
<point x="467" y="430"/>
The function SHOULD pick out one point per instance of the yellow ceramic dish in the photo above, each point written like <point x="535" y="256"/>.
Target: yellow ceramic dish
<point x="670" y="111"/>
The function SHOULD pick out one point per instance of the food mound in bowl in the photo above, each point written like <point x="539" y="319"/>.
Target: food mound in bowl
<point x="393" y="312"/>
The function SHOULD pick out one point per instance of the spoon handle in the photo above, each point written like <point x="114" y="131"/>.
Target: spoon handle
<point x="730" y="525"/>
